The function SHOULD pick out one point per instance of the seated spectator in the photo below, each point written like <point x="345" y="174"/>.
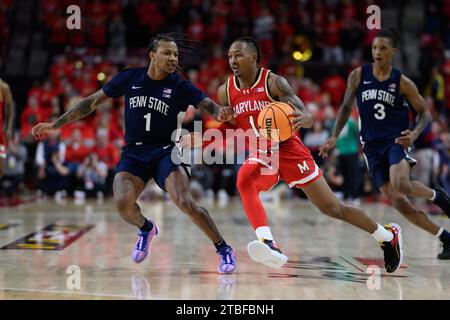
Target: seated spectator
<point x="30" y="116"/>
<point x="108" y="153"/>
<point x="93" y="174"/>
<point x="335" y="86"/>
<point x="14" y="170"/>
<point x="314" y="139"/>
<point x="105" y="121"/>
<point x="52" y="174"/>
<point x="334" y="176"/>
<point x="87" y="130"/>
<point x="76" y="150"/>
<point x="105" y="150"/>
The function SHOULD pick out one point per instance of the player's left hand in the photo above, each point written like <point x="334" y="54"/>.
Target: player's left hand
<point x="225" y="113"/>
<point x="299" y="119"/>
<point x="407" y="138"/>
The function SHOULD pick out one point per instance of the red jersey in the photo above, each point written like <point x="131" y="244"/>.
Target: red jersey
<point x="248" y="102"/>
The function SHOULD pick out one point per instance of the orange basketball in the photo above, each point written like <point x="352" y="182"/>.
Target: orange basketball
<point x="274" y="121"/>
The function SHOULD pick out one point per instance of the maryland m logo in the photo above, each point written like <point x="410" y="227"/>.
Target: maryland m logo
<point x="303" y="167"/>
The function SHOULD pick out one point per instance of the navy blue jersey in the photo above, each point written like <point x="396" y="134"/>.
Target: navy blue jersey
<point x="152" y="106"/>
<point x="382" y="114"/>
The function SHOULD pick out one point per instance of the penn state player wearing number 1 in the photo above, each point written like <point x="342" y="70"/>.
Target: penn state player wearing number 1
<point x="380" y="91"/>
<point x="247" y="90"/>
<point x="154" y="97"/>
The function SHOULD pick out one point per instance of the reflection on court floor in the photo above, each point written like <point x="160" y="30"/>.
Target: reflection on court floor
<point x="82" y="251"/>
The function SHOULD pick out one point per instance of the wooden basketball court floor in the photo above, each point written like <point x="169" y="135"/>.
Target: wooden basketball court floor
<point x="328" y="259"/>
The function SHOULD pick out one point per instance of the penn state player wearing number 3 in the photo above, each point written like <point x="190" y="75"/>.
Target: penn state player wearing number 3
<point x="380" y="91"/>
<point x="154" y="97"/>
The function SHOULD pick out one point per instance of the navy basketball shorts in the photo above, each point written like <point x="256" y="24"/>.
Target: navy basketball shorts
<point x="380" y="156"/>
<point x="147" y="162"/>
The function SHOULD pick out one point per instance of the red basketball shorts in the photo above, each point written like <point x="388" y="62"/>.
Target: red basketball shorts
<point x="292" y="162"/>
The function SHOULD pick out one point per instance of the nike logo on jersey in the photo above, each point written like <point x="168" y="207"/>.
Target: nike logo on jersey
<point x="367" y="82"/>
<point x="133" y="87"/>
<point x="167" y="146"/>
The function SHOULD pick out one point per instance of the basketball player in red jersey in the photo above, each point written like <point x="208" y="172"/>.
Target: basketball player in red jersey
<point x="247" y="91"/>
<point x="6" y="106"/>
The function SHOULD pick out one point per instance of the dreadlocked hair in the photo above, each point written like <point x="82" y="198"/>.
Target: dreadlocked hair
<point x="187" y="48"/>
<point x="390" y="33"/>
<point x="254" y="43"/>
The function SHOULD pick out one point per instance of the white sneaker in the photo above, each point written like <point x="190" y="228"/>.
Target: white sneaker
<point x="266" y="252"/>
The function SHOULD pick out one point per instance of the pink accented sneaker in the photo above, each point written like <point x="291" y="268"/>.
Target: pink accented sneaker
<point x="227" y="262"/>
<point x="142" y="248"/>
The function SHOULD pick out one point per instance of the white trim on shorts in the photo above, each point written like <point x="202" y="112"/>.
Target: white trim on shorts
<point x="260" y="161"/>
<point x="268" y="166"/>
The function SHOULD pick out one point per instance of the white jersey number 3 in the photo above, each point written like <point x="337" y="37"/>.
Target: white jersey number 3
<point x="380" y="114"/>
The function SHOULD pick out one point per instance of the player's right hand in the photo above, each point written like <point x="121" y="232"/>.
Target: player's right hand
<point x="41" y="129"/>
<point x="327" y="146"/>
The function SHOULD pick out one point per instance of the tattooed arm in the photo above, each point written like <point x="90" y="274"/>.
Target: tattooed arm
<point x="83" y="108"/>
<point x="409" y="90"/>
<point x="347" y="105"/>
<point x="280" y="89"/>
<point x="344" y="112"/>
<point x="219" y="112"/>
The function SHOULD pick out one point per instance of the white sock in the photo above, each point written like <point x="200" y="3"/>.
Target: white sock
<point x="263" y="232"/>
<point x="439" y="232"/>
<point x="434" y="195"/>
<point x="381" y="234"/>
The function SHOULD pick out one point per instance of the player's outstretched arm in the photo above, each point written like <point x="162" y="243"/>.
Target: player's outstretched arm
<point x="409" y="90"/>
<point x="83" y="108"/>
<point x="219" y="112"/>
<point x="8" y="103"/>
<point x="344" y="112"/>
<point x="280" y="88"/>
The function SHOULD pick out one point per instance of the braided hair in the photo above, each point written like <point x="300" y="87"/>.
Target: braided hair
<point x="251" y="41"/>
<point x="186" y="47"/>
<point x="390" y="33"/>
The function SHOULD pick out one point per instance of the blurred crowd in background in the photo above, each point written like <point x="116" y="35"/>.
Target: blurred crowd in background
<point x="314" y="44"/>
